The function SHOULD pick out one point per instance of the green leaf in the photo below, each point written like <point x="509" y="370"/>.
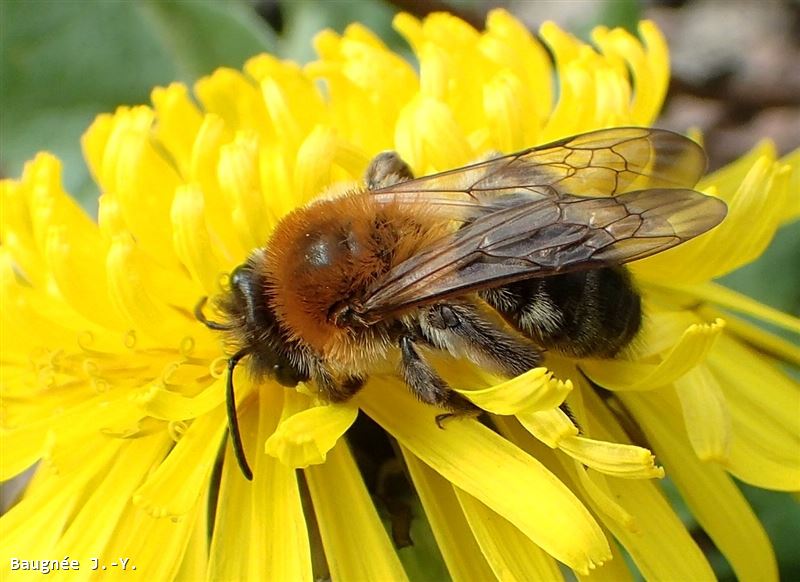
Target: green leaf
<point x="201" y="36"/>
<point x="773" y="278"/>
<point x="305" y="19"/>
<point x="65" y="62"/>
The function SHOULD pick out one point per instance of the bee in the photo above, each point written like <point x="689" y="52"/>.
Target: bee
<point x="495" y="262"/>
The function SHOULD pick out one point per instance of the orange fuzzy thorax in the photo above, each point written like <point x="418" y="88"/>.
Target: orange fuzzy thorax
<point x="327" y="255"/>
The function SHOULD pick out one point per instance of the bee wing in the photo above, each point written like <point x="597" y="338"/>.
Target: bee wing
<point x="600" y="163"/>
<point x="545" y="237"/>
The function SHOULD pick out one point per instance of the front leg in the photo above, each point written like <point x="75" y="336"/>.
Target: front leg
<point x="335" y="390"/>
<point x="427" y="385"/>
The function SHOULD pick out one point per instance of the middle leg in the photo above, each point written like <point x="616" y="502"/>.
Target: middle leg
<point x="426" y="384"/>
<point x="463" y="330"/>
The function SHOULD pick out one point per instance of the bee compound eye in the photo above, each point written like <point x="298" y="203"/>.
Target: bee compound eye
<point x="285" y="375"/>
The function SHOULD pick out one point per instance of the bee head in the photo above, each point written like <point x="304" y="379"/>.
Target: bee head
<point x="250" y="323"/>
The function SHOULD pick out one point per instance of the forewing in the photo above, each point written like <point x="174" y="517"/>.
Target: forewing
<point x="607" y="162"/>
<point x="545" y="237"/>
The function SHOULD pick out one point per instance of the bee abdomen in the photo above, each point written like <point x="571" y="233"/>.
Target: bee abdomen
<point x="591" y="313"/>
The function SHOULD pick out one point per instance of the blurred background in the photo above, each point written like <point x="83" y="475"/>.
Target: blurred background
<point x="736" y="77"/>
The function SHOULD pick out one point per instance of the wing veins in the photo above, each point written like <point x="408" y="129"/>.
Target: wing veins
<point x="545" y="237"/>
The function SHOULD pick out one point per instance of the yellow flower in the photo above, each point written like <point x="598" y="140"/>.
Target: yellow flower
<point x="111" y="385"/>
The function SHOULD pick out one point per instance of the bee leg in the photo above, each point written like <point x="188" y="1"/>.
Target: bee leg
<point x="462" y="328"/>
<point x="350" y="385"/>
<point x="336" y="391"/>
<point x="427" y="385"/>
<point x="386" y="169"/>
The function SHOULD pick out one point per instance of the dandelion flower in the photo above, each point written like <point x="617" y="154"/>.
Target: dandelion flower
<point x="115" y="393"/>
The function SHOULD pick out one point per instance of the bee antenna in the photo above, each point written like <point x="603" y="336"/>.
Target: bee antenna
<point x="233" y="420"/>
<point x="201" y="317"/>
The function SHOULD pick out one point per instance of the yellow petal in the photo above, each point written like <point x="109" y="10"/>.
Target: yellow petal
<point x="38" y="203"/>
<point x="615" y="570"/>
<point x="284" y="123"/>
<point x="506" y="111"/>
<point x="356" y="544"/>
<point x="16" y="459"/>
<point x="260" y="526"/>
<point x="738" y="240"/>
<point x="143" y="182"/>
<point x="429" y="138"/>
<point x="230" y="95"/>
<point x="55" y="437"/>
<point x="510" y="45"/>
<point x="35" y="523"/>
<point x="751" y="462"/>
<point x="615" y="459"/>
<point x="195" y="560"/>
<point x="712" y="496"/>
<point x="588" y="482"/>
<point x="94" y="524"/>
<point x="21" y="311"/>
<point x="534" y="390"/>
<point x="168" y="405"/>
<point x="477" y="460"/>
<point x="278" y="522"/>
<point x="179" y="121"/>
<point x="763" y="406"/>
<point x="239" y="180"/>
<point x="522" y="90"/>
<point x="574" y="110"/>
<point x="108" y="141"/>
<point x="758" y="338"/>
<point x="93" y="144"/>
<point x="314" y="164"/>
<point x="692" y="348"/>
<point x="725" y="297"/>
<point x="75" y="256"/>
<point x="596" y="487"/>
<point x="705" y="413"/>
<point x="132" y="296"/>
<point x="192" y="240"/>
<point x="649" y="69"/>
<point x="232" y="548"/>
<point x="174" y="487"/>
<point x="661" y="547"/>
<point x="292" y="99"/>
<point x="409" y="27"/>
<point x="306" y="437"/>
<point x="204" y="171"/>
<point x="462" y="554"/>
<point x="155" y="545"/>
<point x="549" y="426"/>
<point x="663" y="326"/>
<point x="511" y="555"/>
<point x="644" y="522"/>
<point x="19" y="247"/>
